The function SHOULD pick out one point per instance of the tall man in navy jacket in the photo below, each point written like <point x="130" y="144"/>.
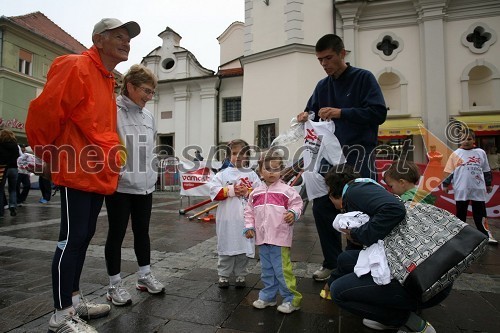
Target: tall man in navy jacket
<point x="351" y="97"/>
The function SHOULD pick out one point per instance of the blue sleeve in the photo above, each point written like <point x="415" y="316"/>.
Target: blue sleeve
<point x="371" y="103"/>
<point x="385" y="211"/>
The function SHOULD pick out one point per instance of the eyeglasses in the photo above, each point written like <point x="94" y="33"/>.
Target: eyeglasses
<point x="147" y="91"/>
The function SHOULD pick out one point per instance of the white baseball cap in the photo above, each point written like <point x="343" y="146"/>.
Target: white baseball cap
<point x="111" y="23"/>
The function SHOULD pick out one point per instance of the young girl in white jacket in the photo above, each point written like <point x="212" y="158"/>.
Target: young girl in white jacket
<point x="231" y="187"/>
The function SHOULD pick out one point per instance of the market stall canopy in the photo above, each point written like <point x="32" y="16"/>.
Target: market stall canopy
<point x="481" y="123"/>
<point x="400" y="127"/>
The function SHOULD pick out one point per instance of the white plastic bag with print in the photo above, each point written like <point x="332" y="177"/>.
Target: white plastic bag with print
<point x="319" y="143"/>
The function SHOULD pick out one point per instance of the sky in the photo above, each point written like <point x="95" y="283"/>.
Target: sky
<point x="198" y="22"/>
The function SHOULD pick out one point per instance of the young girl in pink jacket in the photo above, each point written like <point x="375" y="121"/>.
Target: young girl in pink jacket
<point x="272" y="209"/>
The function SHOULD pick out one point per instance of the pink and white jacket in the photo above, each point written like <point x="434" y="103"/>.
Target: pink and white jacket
<point x="265" y="211"/>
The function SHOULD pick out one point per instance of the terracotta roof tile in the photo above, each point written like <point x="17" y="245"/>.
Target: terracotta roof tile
<point x="230" y="72"/>
<point x="41" y="25"/>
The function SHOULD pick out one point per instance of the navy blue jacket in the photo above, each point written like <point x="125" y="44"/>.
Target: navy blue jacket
<point x="385" y="211"/>
<point x="357" y="93"/>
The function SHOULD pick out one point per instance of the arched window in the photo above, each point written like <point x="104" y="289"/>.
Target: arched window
<point x="394" y="88"/>
<point x="480" y="87"/>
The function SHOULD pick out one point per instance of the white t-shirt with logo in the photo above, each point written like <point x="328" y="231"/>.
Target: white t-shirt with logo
<point x="468" y="167"/>
<point x="319" y="143"/>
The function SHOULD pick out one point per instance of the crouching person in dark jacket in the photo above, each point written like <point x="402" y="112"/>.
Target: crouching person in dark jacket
<point x="387" y="306"/>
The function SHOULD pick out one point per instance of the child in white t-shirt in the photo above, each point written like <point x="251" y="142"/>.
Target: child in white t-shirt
<point x="468" y="170"/>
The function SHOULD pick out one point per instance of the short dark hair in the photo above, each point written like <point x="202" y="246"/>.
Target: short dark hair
<point x="406" y="170"/>
<point x="338" y="176"/>
<point x="330" y="42"/>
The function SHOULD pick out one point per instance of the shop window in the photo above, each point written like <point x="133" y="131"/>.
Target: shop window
<point x="395" y="148"/>
<point x="480" y="87"/>
<point x="387" y="46"/>
<point x="25" y="61"/>
<point x="231" y="109"/>
<point x="479" y="37"/>
<point x="394" y="88"/>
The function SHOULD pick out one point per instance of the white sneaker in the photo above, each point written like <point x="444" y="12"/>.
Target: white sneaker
<point x="150" y="283"/>
<point x="427" y="329"/>
<point x="90" y="310"/>
<point x="260" y="304"/>
<point x="70" y="324"/>
<point x="322" y="274"/>
<point x="375" y="325"/>
<point x="492" y="241"/>
<point x="118" y="295"/>
<point x="287" y="307"/>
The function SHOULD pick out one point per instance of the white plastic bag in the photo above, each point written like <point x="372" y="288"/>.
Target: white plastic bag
<point x="293" y="134"/>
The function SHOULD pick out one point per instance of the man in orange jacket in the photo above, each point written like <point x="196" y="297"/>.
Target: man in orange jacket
<point x="72" y="126"/>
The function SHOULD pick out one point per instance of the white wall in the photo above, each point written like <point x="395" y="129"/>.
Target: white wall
<point x="230" y="87"/>
<point x="231" y="42"/>
<point x="277" y="88"/>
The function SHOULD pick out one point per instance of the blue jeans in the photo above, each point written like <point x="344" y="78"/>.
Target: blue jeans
<point x="10" y="177"/>
<point x="277" y="275"/>
<point x="388" y="304"/>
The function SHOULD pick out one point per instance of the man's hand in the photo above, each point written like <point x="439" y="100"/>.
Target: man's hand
<point x="303" y="117"/>
<point x="445" y="189"/>
<point x="489" y="189"/>
<point x="329" y="113"/>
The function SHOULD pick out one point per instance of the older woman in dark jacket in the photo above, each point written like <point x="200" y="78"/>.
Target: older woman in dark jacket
<point x="9" y="152"/>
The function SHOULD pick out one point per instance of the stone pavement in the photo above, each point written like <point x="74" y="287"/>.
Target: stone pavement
<point x="184" y="257"/>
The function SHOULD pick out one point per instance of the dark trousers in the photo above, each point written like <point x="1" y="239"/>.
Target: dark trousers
<point x="79" y="212"/>
<point x="324" y="211"/>
<point x="478" y="213"/>
<point x="121" y="207"/>
<point x="45" y="187"/>
<point x="388" y="304"/>
<point x="22" y="193"/>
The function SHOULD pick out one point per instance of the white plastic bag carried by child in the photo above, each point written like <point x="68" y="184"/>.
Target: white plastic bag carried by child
<point x="30" y="163"/>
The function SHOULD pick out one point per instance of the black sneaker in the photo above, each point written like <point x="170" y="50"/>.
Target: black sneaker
<point x="240" y="282"/>
<point x="223" y="282"/>
<point x="13" y="211"/>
